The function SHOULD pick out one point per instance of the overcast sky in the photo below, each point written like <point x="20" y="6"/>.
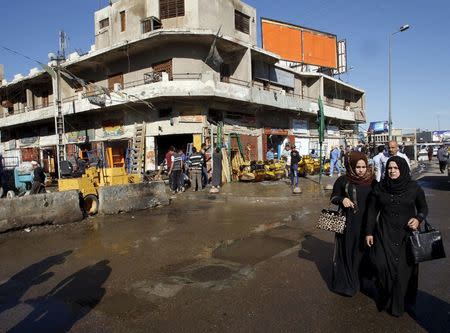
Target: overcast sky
<point x="420" y="55"/>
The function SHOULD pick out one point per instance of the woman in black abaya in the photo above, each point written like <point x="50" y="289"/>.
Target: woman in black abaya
<point x="401" y="206"/>
<point x="351" y="192"/>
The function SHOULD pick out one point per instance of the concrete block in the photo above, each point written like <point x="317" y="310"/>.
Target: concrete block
<point x="131" y="197"/>
<point x="47" y="208"/>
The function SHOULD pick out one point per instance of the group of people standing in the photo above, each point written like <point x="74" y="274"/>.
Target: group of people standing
<point x="195" y="165"/>
<point x="380" y="213"/>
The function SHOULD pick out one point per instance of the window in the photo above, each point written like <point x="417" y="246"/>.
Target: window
<point x="113" y="79"/>
<point x="150" y="24"/>
<point x="45" y="102"/>
<point x="103" y="23"/>
<point x="241" y="22"/>
<point x="171" y="8"/>
<point x="122" y="21"/>
<point x="163" y="66"/>
<point x="225" y="73"/>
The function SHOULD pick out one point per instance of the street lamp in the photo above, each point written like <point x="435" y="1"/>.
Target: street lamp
<point x="402" y="28"/>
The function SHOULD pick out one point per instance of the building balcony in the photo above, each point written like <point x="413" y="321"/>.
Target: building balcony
<point x="187" y="85"/>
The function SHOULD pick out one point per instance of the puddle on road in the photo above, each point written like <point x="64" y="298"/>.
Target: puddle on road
<point x="211" y="273"/>
<point x="252" y="250"/>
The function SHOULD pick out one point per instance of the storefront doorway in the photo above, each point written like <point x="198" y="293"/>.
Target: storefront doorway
<point x="163" y="143"/>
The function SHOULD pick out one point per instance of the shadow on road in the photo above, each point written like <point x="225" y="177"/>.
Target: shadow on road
<point x="432" y="313"/>
<point x="12" y="290"/>
<point x="319" y="252"/>
<point x="72" y="299"/>
<point x="439" y="183"/>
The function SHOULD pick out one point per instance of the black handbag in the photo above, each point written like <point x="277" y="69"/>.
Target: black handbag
<point x="425" y="245"/>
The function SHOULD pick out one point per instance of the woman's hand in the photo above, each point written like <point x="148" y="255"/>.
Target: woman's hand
<point x="369" y="241"/>
<point x="347" y="203"/>
<point x="413" y="223"/>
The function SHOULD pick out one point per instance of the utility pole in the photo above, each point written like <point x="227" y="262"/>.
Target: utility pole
<point x="59" y="117"/>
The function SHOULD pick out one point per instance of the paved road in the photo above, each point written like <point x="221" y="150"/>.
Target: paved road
<point x="246" y="260"/>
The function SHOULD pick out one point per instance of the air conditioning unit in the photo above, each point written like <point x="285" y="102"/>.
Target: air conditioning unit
<point x="118" y="87"/>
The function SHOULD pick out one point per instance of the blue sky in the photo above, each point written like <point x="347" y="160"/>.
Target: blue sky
<point x="420" y="56"/>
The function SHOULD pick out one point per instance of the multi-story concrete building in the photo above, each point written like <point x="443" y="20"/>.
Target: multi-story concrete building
<point x="182" y="67"/>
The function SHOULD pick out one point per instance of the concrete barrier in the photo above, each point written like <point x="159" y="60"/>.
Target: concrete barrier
<point x="131" y="197"/>
<point x="47" y="208"/>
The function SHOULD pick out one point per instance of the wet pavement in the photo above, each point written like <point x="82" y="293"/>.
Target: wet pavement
<point x="247" y="259"/>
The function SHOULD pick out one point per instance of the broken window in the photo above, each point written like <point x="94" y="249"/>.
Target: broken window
<point x="103" y="23"/>
<point x="122" y="21"/>
<point x="171" y="8"/>
<point x="241" y="22"/>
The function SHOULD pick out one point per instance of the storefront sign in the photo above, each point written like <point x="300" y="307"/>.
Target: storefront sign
<point x="276" y="131"/>
<point x="191" y="119"/>
<point x="150" y="156"/>
<point x="80" y="136"/>
<point x="300" y="126"/>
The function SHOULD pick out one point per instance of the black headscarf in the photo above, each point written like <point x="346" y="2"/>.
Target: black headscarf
<point x="399" y="185"/>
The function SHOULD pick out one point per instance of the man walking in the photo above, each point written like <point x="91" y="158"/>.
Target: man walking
<point x="195" y="169"/>
<point x="205" y="177"/>
<point x="175" y="172"/>
<point x="334" y="161"/>
<point x="442" y="156"/>
<point x="377" y="164"/>
<point x="286" y="157"/>
<point x="393" y="151"/>
<point x="295" y="160"/>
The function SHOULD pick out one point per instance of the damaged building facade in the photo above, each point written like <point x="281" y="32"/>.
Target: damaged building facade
<point x="187" y="71"/>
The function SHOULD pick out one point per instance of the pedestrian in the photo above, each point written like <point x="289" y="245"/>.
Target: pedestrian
<point x="393" y="151"/>
<point x="295" y="160"/>
<point x="175" y="172"/>
<point x="217" y="168"/>
<point x="396" y="207"/>
<point x="168" y="160"/>
<point x="38" y="184"/>
<point x="341" y="157"/>
<point x="334" y="161"/>
<point x="195" y="169"/>
<point x="270" y="156"/>
<point x="442" y="156"/>
<point x="205" y="177"/>
<point x="183" y="176"/>
<point x="430" y="153"/>
<point x="377" y="163"/>
<point x="351" y="192"/>
<point x="286" y="157"/>
<point x="313" y="154"/>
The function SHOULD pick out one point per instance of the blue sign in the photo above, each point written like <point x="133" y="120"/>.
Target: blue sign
<point x="377" y="127"/>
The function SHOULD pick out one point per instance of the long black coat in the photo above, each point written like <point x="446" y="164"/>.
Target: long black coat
<point x="396" y="277"/>
<point x="349" y="246"/>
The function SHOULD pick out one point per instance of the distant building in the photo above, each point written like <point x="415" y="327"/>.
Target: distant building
<point x="166" y="65"/>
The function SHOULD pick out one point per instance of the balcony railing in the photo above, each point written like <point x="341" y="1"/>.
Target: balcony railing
<point x="25" y="109"/>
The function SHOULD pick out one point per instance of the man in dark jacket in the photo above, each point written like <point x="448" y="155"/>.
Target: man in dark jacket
<point x="38" y="185"/>
<point x="295" y="160"/>
<point x="442" y="156"/>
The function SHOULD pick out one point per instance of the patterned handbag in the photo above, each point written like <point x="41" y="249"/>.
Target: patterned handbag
<point x="331" y="220"/>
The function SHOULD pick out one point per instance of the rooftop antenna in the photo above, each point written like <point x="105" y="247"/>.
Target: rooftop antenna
<point x="62" y="44"/>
